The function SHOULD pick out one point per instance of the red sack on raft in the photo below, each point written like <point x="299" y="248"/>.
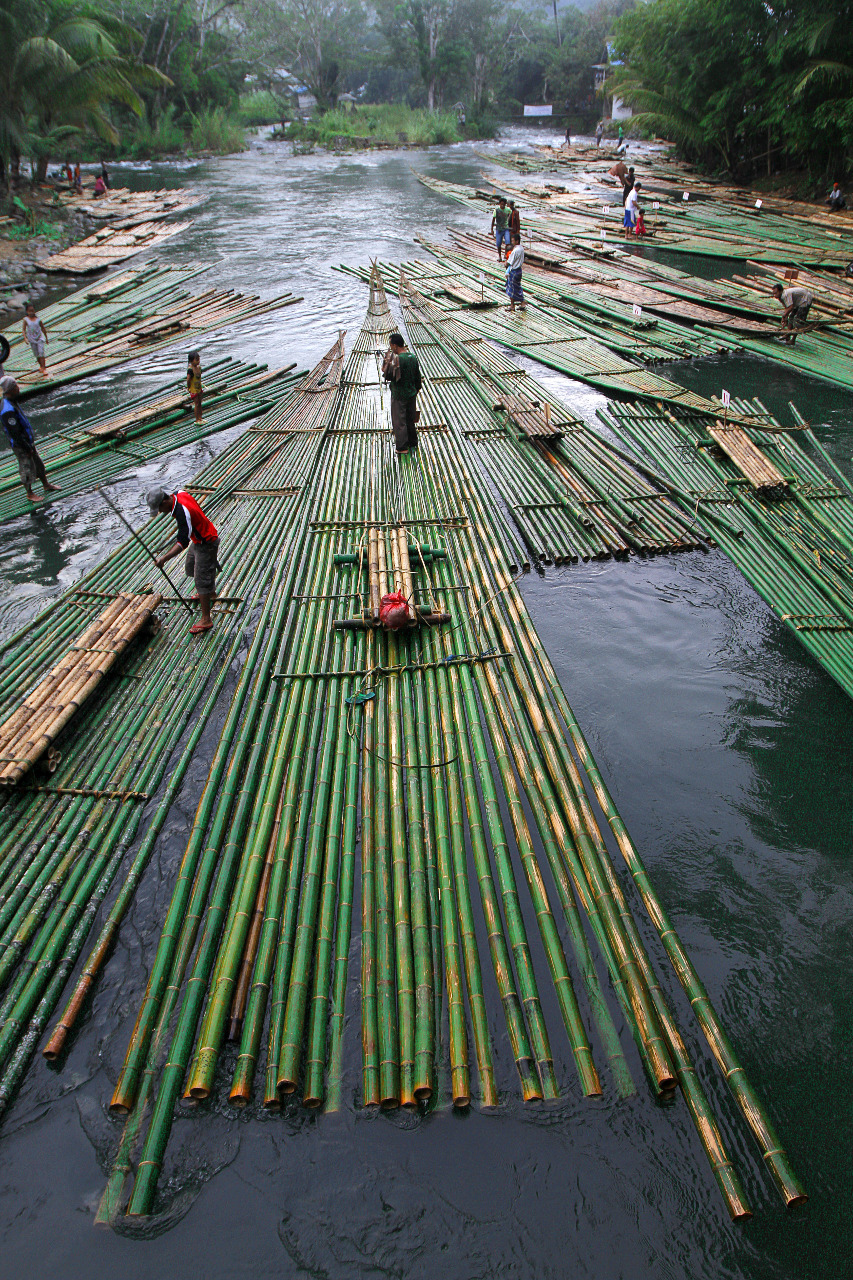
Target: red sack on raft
<point x="394" y="611"/>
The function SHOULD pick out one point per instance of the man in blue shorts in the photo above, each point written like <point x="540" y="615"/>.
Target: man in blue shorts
<point x="500" y="225"/>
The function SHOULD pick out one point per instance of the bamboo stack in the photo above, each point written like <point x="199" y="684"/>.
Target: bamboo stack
<point x="452" y="745"/>
<point x="748" y="458"/>
<point x="45" y="711"/>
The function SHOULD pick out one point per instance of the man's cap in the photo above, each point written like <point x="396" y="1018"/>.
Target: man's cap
<point x="154" y="497"/>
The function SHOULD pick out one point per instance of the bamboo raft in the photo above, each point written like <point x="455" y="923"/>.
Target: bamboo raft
<point x="126" y="316"/>
<point x="66" y="841"/>
<point x="452" y="744"/>
<point x="570" y="496"/>
<point x="126" y="208"/>
<point x="103" y="448"/>
<point x="600" y="284"/>
<point x="34" y="726"/>
<point x="793" y="541"/>
<point x="112" y="245"/>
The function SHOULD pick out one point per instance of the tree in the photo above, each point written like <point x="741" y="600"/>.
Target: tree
<point x="315" y="39"/>
<point x="65" y="65"/>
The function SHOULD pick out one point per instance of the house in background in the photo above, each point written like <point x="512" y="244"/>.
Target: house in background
<point x="611" y="106"/>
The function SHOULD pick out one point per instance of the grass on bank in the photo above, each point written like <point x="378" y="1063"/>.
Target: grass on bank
<point x="212" y="129"/>
<point x="390" y="123"/>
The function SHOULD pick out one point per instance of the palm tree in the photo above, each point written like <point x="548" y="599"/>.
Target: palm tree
<point x="65" y="65"/>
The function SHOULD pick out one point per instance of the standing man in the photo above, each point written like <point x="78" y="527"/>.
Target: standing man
<point x="627" y="184"/>
<point x="514" y="221"/>
<point x="632" y="202"/>
<point x="193" y="528"/>
<point x="599" y="133"/>
<point x="500" y="225"/>
<point x="19" y="433"/>
<point x="514" y="264"/>
<point x="797" y="301"/>
<point x="401" y="371"/>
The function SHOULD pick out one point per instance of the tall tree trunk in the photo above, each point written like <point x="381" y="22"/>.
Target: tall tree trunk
<point x="557" y="25"/>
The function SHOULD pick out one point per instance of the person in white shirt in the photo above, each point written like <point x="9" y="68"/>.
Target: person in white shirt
<point x="514" y="263"/>
<point x="632" y="201"/>
<point x="797" y="301"/>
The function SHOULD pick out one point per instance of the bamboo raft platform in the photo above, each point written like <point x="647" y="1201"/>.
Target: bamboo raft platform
<point x="111" y="245"/>
<point x="453" y="742"/>
<point x="66" y="841"/>
<point x="793" y="541"/>
<point x="45" y="711"/>
<point x="127" y="316"/>
<point x="103" y="448"/>
<point x="124" y="208"/>
<point x="568" y="494"/>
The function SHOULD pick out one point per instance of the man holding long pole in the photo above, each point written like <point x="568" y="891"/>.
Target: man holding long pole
<point x="199" y="538"/>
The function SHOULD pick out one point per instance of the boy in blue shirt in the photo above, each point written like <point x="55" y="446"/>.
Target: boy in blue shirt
<point x="19" y="433"/>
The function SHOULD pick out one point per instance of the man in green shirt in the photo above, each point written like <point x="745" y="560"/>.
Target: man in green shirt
<point x="401" y="371"/>
<point x="500" y="225"/>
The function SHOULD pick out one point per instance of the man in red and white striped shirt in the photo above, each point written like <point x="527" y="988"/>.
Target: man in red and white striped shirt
<point x="196" y="535"/>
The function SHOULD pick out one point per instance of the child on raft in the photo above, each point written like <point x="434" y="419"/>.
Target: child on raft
<point x="36" y="335"/>
<point x="194" y="382"/>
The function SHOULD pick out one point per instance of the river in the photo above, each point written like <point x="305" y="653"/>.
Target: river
<point x="728" y="751"/>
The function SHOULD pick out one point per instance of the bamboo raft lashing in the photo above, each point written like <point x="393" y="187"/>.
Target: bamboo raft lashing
<point x="46" y="710"/>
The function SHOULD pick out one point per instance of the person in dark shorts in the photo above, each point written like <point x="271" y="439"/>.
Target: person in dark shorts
<point x="19" y="433"/>
<point x="401" y="371"/>
<point x="797" y="302"/>
<point x="199" y="538"/>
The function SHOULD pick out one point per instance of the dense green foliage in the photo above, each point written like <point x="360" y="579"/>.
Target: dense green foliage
<point x="152" y="77"/>
<point x="745" y="86"/>
<point x="388" y="123"/>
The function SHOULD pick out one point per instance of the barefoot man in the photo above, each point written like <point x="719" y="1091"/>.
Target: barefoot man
<point x="197" y="536"/>
<point x="19" y="433"/>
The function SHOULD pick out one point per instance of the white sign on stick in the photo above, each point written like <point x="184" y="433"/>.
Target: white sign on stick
<point x="685" y="195"/>
<point x="758" y="204"/>
<point x="638" y="310"/>
<point x="604" y="235"/>
<point x="726" y="399"/>
<point x="605" y="209"/>
<point x="656" y="204"/>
